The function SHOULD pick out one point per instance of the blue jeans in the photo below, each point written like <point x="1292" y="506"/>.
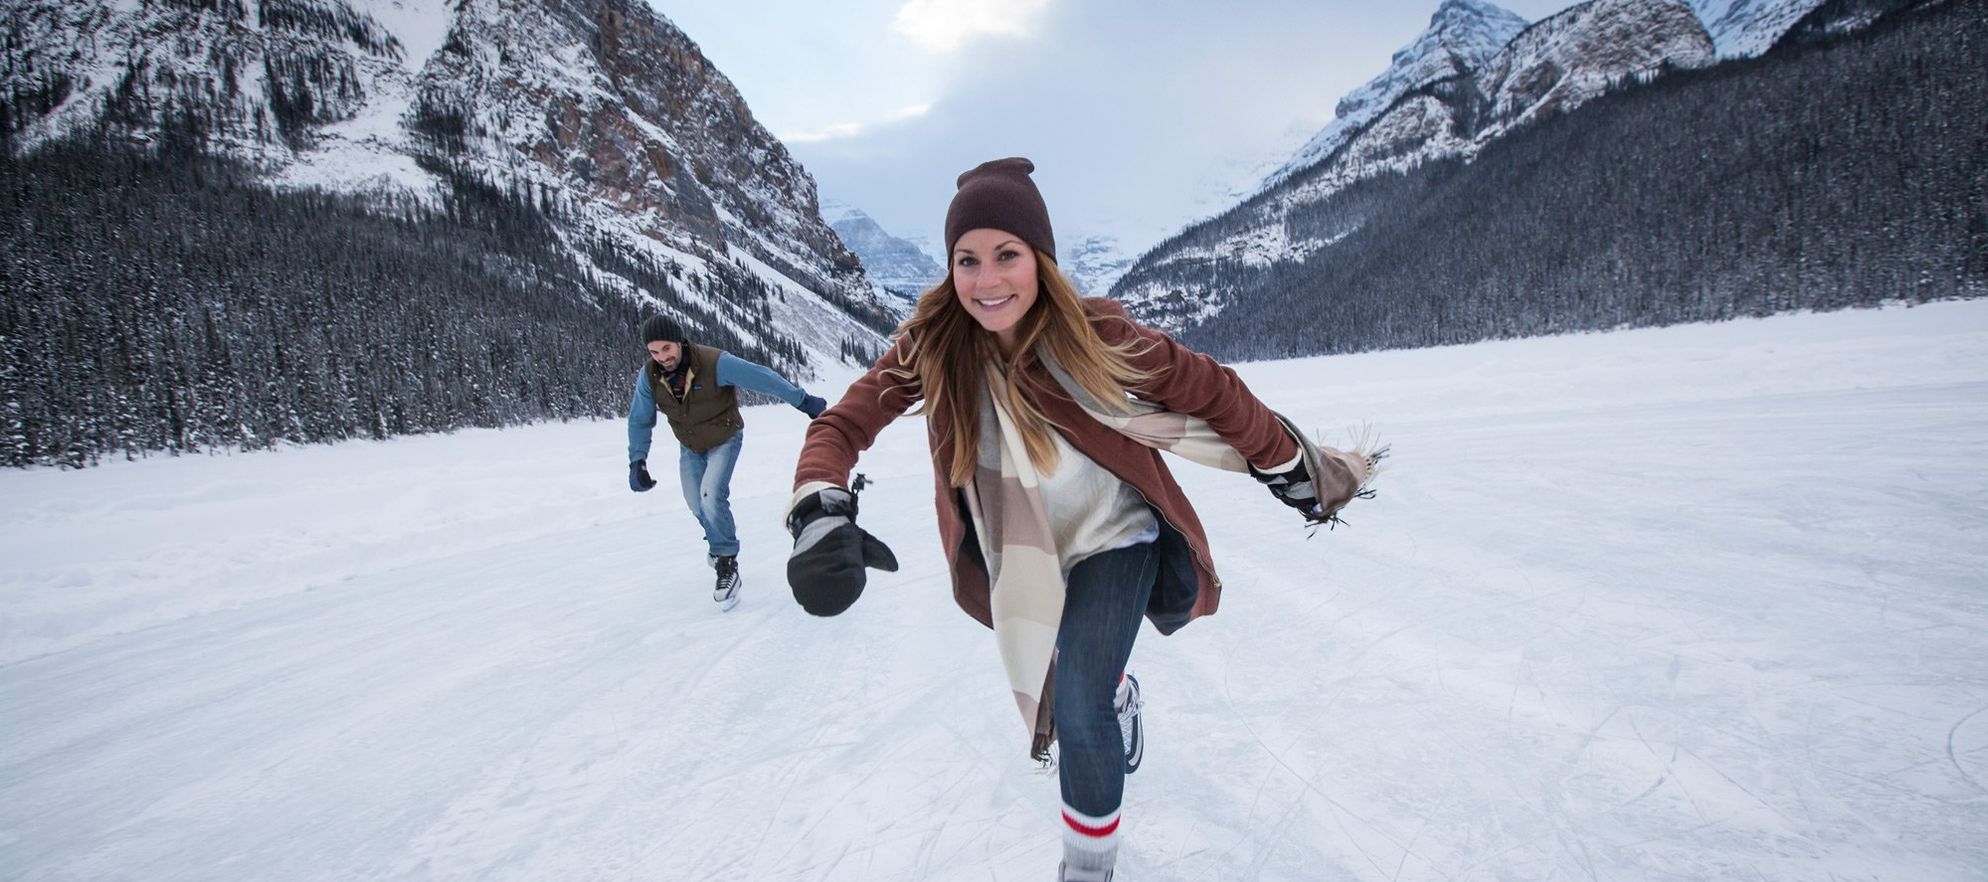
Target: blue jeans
<point x="1103" y="604"/>
<point x="707" y="489"/>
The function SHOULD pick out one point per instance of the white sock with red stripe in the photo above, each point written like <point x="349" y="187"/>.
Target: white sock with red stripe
<point x="1090" y="845"/>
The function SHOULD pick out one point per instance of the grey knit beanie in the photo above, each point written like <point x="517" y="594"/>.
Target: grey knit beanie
<point x="661" y="328"/>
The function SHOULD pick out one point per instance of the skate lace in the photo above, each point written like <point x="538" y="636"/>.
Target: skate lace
<point x="1128" y="713"/>
<point x="728" y="575"/>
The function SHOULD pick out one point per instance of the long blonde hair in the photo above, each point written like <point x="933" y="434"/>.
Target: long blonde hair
<point x="943" y="351"/>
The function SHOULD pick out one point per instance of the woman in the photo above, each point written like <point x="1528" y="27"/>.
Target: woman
<point x="1061" y="524"/>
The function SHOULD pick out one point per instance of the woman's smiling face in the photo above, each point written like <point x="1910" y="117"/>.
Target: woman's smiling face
<point x="994" y="278"/>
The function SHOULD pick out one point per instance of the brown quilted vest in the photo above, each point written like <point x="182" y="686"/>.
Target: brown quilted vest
<point x="708" y="414"/>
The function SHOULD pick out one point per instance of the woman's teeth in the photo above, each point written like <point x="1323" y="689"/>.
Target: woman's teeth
<point x="990" y="304"/>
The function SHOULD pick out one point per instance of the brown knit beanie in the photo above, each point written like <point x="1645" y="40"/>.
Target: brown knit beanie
<point x="999" y="195"/>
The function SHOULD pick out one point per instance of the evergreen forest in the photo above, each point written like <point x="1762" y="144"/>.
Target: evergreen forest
<point x="160" y="299"/>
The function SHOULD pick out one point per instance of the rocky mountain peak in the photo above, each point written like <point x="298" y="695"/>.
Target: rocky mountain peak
<point x="1748" y="27"/>
<point x="1575" y="55"/>
<point x="897" y="264"/>
<point x="1463" y="22"/>
<point x="1462" y="35"/>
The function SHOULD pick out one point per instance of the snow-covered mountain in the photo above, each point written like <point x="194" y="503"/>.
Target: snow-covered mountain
<point x="1564" y="61"/>
<point x="1445" y="97"/>
<point x="906" y="269"/>
<point x="1094" y="263"/>
<point x="1743" y="28"/>
<point x="600" y="108"/>
<point x="897" y="264"/>
<point x="1463" y="35"/>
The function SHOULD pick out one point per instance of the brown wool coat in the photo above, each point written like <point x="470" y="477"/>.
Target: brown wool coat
<point x="1184" y="381"/>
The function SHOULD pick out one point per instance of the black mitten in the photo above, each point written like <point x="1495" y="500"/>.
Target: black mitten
<point x="830" y="552"/>
<point x="1292" y="487"/>
<point x="638" y="476"/>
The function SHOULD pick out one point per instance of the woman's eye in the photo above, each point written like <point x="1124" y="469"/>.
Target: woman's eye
<point x="1010" y="254"/>
<point x="966" y="261"/>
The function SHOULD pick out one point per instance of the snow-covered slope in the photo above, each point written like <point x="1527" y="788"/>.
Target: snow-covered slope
<point x="1680" y="604"/>
<point x="1425" y="104"/>
<point x="1827" y="21"/>
<point x="599" y="109"/>
<point x="1395" y="120"/>
<point x="1462" y="36"/>
<point x="1446" y="97"/>
<point x="1748" y="27"/>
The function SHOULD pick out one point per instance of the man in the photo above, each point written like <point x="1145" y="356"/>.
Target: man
<point x="696" y="388"/>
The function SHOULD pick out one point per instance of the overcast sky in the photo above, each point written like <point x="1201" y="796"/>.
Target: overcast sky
<point x="1140" y="116"/>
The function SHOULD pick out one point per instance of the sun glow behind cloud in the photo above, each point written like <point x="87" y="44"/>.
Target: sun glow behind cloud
<point x="942" y="26"/>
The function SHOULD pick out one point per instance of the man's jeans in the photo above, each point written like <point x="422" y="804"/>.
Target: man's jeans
<point x="1102" y="606"/>
<point x="707" y="489"/>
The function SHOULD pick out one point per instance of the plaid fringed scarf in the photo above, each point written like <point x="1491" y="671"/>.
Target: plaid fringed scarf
<point x="1023" y="565"/>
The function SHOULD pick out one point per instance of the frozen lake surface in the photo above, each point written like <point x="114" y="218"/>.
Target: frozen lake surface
<point x="1707" y="602"/>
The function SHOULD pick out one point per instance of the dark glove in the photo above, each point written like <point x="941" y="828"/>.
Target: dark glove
<point x="830" y="552"/>
<point x="812" y="405"/>
<point x="1293" y="487"/>
<point x="638" y="476"/>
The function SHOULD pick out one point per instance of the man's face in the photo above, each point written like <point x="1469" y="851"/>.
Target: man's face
<point x="666" y="353"/>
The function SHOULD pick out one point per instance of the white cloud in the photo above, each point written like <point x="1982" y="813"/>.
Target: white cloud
<point x="943" y="25"/>
<point x="840" y="130"/>
<point x="850" y="130"/>
<point x="1138" y="123"/>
